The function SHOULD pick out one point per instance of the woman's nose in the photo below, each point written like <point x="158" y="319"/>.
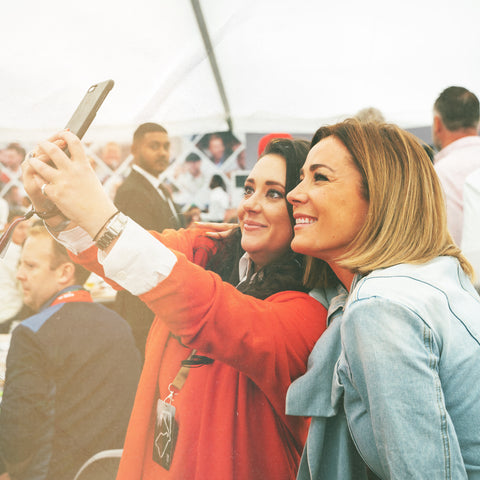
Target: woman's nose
<point x="251" y="203"/>
<point x="297" y="195"/>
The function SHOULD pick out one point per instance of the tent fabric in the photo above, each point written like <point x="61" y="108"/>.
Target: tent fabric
<point x="287" y="65"/>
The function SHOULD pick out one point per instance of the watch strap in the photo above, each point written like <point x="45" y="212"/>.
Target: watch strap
<point x="112" y="230"/>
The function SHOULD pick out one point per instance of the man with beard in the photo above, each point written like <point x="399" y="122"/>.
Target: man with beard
<point x="142" y="197"/>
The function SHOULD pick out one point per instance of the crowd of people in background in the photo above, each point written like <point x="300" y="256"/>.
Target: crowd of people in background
<point x="331" y="334"/>
<point x="196" y="191"/>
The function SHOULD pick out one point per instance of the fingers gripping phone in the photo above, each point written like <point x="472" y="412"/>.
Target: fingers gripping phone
<point x="78" y="124"/>
<point x="87" y="110"/>
<point x="88" y="107"/>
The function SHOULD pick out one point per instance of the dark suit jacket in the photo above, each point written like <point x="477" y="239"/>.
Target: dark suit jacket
<point x="138" y="198"/>
<point x="72" y="373"/>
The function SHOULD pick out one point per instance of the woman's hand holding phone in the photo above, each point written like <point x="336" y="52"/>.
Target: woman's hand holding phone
<point x="50" y="178"/>
<point x="39" y="201"/>
<point x="71" y="184"/>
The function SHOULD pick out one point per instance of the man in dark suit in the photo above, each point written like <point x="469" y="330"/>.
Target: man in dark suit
<point x="143" y="199"/>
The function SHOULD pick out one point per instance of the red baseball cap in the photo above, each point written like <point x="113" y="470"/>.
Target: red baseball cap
<point x="264" y="141"/>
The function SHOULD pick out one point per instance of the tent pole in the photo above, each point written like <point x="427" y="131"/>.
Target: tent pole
<point x="213" y="61"/>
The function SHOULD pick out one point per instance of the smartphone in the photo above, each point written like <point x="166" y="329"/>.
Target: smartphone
<point x="88" y="107"/>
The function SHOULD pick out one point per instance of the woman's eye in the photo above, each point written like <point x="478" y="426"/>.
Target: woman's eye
<point x="319" y="177"/>
<point x="275" y="194"/>
<point x="247" y="191"/>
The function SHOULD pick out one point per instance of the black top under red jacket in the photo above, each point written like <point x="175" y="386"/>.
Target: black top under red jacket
<point x="72" y="372"/>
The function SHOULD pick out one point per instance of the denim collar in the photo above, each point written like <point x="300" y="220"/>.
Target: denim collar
<point x="337" y="303"/>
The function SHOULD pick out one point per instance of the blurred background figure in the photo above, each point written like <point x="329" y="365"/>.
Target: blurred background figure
<point x="216" y="149"/>
<point x="12" y="157"/>
<point x="192" y="183"/>
<point x="238" y="165"/>
<point x="191" y="214"/>
<point x="456" y="115"/>
<point x="16" y="197"/>
<point x="218" y="202"/>
<point x="11" y="296"/>
<point x="3" y="213"/>
<point x="4" y="172"/>
<point x="112" y="155"/>
<point x="242" y="160"/>
<point x="370" y="114"/>
<point x="106" y="162"/>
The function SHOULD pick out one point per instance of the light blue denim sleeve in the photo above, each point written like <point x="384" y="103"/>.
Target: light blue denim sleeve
<point x="394" y="400"/>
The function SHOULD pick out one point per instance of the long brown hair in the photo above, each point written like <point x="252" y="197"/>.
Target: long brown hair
<point x="285" y="273"/>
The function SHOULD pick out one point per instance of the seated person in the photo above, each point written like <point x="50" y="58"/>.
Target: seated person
<point x="11" y="297"/>
<point x="72" y="371"/>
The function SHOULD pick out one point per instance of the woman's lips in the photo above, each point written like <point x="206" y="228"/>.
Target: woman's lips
<point x="251" y="226"/>
<point x="304" y="220"/>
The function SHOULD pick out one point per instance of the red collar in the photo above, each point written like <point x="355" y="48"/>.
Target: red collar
<point x="73" y="296"/>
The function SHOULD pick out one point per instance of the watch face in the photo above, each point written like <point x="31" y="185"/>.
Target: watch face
<point x="114" y="228"/>
<point x="117" y="224"/>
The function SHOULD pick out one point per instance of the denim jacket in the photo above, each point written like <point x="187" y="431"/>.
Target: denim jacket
<point x="394" y="383"/>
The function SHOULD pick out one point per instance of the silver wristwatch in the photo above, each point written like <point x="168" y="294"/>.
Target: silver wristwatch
<point x="112" y="230"/>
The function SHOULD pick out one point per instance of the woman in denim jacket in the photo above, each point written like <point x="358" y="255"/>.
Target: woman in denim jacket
<point x="393" y="385"/>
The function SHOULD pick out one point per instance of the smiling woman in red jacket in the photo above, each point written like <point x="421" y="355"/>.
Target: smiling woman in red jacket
<point x="234" y="308"/>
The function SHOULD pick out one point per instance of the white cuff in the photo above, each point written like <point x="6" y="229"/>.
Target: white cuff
<point x="138" y="261"/>
<point x="76" y="240"/>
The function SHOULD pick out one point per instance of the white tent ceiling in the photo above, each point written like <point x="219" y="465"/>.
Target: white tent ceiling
<point x="287" y="65"/>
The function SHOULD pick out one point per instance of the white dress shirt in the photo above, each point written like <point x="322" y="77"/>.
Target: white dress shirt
<point x="138" y="261"/>
<point x="453" y="164"/>
<point x="471" y="222"/>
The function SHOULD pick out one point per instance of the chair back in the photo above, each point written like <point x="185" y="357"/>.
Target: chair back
<point x="101" y="466"/>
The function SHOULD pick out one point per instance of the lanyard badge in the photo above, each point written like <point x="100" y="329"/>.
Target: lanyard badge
<point x="166" y="430"/>
<point x="166" y="427"/>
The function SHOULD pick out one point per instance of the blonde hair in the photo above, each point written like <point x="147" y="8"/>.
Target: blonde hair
<point x="406" y="220"/>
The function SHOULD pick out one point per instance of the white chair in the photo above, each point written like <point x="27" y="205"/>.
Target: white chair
<point x="101" y="466"/>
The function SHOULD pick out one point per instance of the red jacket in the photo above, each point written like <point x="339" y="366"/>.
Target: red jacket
<point x="231" y="414"/>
